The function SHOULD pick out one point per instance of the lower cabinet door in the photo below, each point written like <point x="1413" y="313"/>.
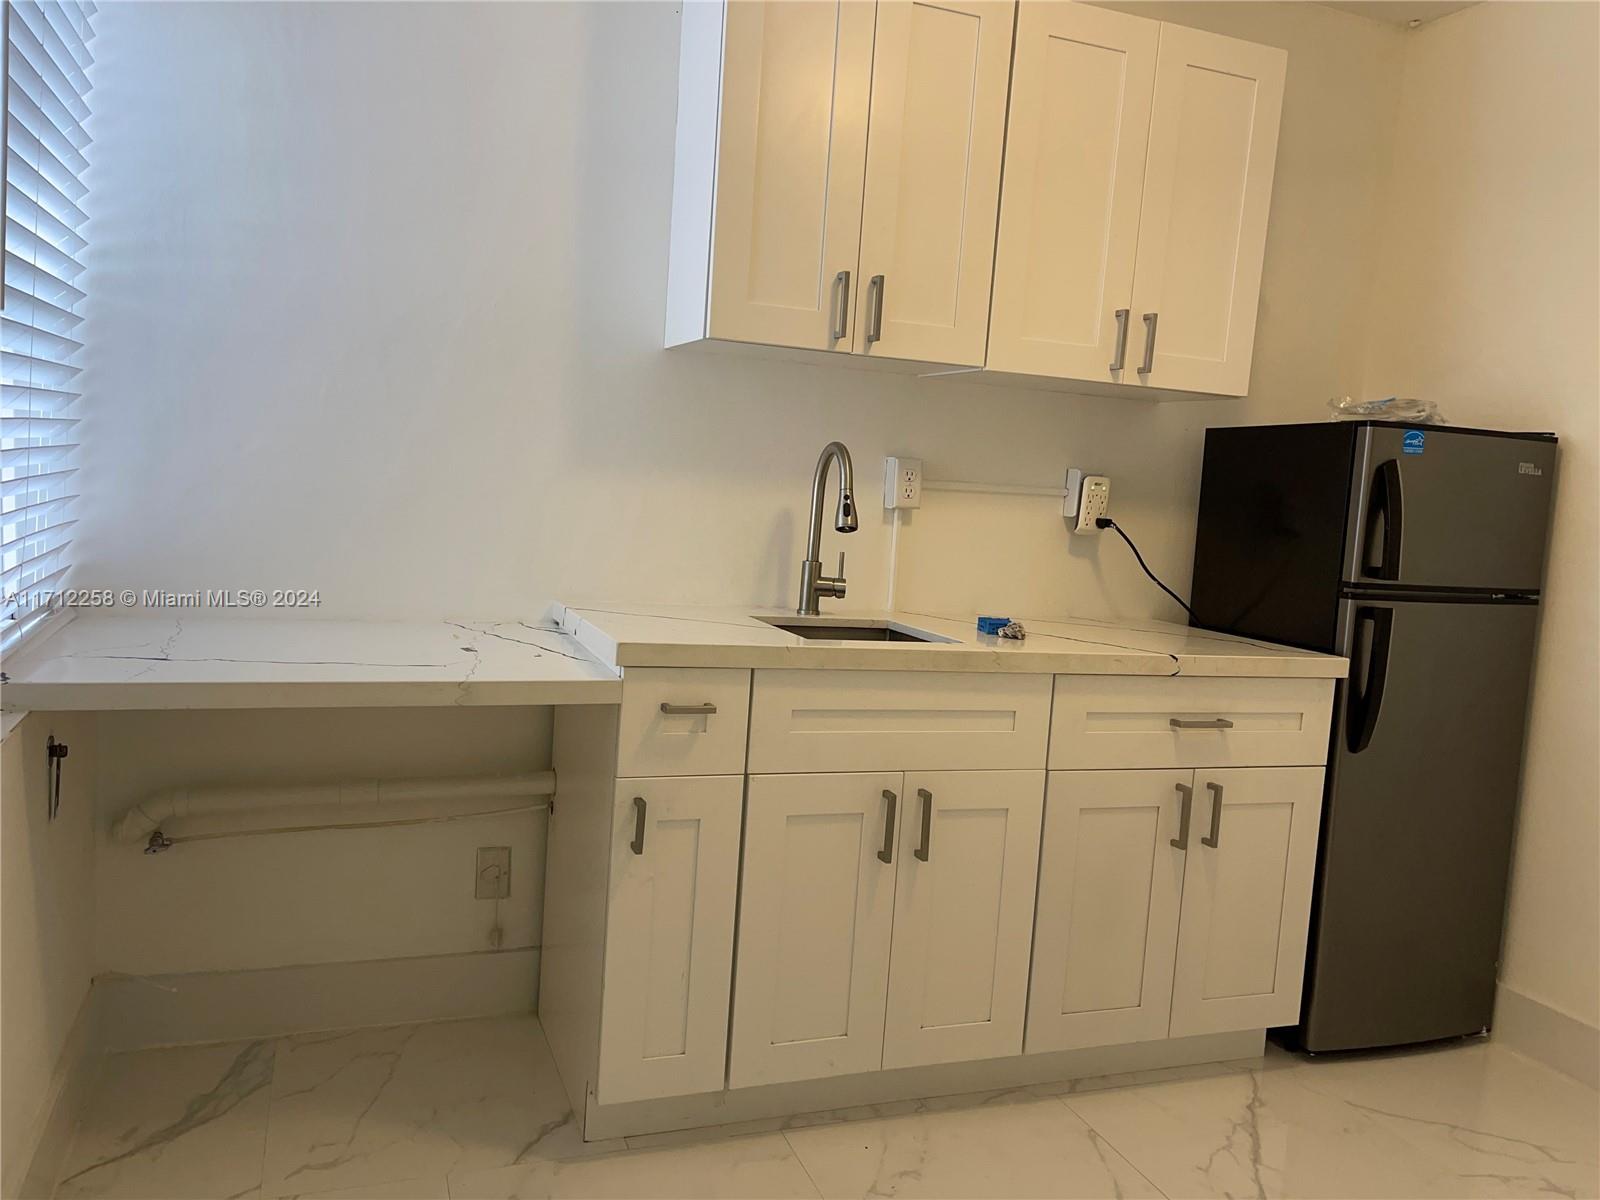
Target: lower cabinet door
<point x="1110" y="877"/>
<point x="1246" y="899"/>
<point x="669" y="937"/>
<point x="963" y="916"/>
<point x="816" y="911"/>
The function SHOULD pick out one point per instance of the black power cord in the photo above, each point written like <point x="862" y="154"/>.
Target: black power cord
<point x="1108" y="523"/>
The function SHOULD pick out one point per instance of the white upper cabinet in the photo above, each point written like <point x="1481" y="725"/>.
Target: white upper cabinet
<point x="1203" y="222"/>
<point x="937" y="128"/>
<point x="1069" y="215"/>
<point x="789" y="161"/>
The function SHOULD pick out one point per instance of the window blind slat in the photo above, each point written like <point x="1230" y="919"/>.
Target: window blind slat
<point x="42" y="222"/>
<point x="47" y="66"/>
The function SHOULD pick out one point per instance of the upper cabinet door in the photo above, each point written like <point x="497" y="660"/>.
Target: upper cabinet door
<point x="1203" y="227"/>
<point x="790" y="154"/>
<point x="815" y="916"/>
<point x="963" y="915"/>
<point x="1069" y="213"/>
<point x="940" y="73"/>
<point x="1246" y="899"/>
<point x="669" y="946"/>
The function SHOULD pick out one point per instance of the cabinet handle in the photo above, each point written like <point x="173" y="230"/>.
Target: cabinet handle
<point x="1122" y="340"/>
<point x="841" y="304"/>
<point x="874" y="309"/>
<point x="1213" y="723"/>
<point x="1149" y="343"/>
<point x="927" y="823"/>
<point x="688" y="710"/>
<point x="1181" y="842"/>
<point x="1213" y="837"/>
<point x="639" y="807"/>
<point x="887" y="853"/>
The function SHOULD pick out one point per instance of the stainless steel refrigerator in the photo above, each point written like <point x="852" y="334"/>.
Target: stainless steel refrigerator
<point x="1418" y="553"/>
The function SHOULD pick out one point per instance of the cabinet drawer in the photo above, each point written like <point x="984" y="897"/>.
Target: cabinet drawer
<point x="1113" y="722"/>
<point x="891" y="720"/>
<point x="683" y="722"/>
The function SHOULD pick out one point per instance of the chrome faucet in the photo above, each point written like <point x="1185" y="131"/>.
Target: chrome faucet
<point x="813" y="583"/>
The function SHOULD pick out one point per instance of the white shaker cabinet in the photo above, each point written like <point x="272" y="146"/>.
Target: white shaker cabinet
<point x="937" y="127"/>
<point x="1110" y="881"/>
<point x="815" y="916"/>
<point x="963" y="916"/>
<point x="1203" y="220"/>
<point x="1133" y="220"/>
<point x="1069" y="213"/>
<point x="838" y="175"/>
<point x="669" y="949"/>
<point x="1246" y="899"/>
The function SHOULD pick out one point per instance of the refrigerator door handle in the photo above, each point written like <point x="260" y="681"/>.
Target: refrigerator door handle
<point x="1386" y="503"/>
<point x="1364" y="706"/>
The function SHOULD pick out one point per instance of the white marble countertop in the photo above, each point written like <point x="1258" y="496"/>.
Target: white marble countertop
<point x="196" y="661"/>
<point x="624" y="636"/>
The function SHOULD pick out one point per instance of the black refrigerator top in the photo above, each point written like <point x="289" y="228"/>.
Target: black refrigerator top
<point x="1294" y="516"/>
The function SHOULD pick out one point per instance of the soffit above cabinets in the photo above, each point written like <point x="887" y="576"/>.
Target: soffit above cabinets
<point x="1408" y="13"/>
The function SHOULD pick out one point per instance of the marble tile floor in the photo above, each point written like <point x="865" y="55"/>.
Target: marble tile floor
<point x="458" y="1109"/>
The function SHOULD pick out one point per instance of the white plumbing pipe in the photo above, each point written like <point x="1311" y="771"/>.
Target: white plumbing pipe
<point x="240" y="808"/>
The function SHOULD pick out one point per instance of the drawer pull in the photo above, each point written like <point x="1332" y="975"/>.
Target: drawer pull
<point x="639" y="806"/>
<point x="1181" y="842"/>
<point x="688" y="710"/>
<point x="927" y="823"/>
<point x="887" y="853"/>
<point x="1212" y="838"/>
<point x="1214" y="723"/>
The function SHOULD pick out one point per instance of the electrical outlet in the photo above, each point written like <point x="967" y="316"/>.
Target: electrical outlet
<point x="1094" y="501"/>
<point x="902" y="483"/>
<point x="494" y="873"/>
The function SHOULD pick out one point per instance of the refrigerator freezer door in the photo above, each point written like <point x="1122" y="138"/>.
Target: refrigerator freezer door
<point x="1421" y="800"/>
<point x="1434" y="508"/>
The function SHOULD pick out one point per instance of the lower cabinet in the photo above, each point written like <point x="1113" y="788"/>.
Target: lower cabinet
<point x="1246" y="899"/>
<point x="1171" y="903"/>
<point x="883" y="921"/>
<point x="669" y="936"/>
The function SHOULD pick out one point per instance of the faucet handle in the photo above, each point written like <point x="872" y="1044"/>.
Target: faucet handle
<point x="841" y="566"/>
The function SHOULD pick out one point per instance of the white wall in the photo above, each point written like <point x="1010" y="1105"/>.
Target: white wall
<point x="1488" y="301"/>
<point x="47" y="908"/>
<point x="331" y="896"/>
<point x="378" y="296"/>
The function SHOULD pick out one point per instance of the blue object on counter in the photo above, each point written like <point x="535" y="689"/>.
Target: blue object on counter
<point x="992" y="624"/>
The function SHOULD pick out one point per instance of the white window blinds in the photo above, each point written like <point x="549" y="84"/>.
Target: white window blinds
<point x="47" y="84"/>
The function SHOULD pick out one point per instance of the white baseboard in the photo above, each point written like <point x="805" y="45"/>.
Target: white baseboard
<point x="136" y="1011"/>
<point x="69" y="1086"/>
<point x="1555" y="1038"/>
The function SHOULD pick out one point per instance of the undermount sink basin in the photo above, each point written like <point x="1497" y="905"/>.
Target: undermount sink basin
<point x="824" y="629"/>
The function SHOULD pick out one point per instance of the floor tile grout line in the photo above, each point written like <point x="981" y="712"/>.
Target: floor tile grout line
<point x="784" y="1133"/>
<point x="1085" y="1122"/>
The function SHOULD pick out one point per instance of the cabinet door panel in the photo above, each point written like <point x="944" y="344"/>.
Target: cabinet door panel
<point x="789" y="168"/>
<point x="940" y="73"/>
<point x="1203" y="225"/>
<point x="669" y="937"/>
<point x="1247" y="900"/>
<point x="815" y="917"/>
<point x="958" y="970"/>
<point x="1074" y="170"/>
<point x="1109" y="883"/>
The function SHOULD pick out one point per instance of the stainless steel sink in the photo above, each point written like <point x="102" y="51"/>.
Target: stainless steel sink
<point x="846" y="630"/>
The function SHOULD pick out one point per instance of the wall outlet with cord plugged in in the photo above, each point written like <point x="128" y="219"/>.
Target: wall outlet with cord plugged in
<point x="1088" y="499"/>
